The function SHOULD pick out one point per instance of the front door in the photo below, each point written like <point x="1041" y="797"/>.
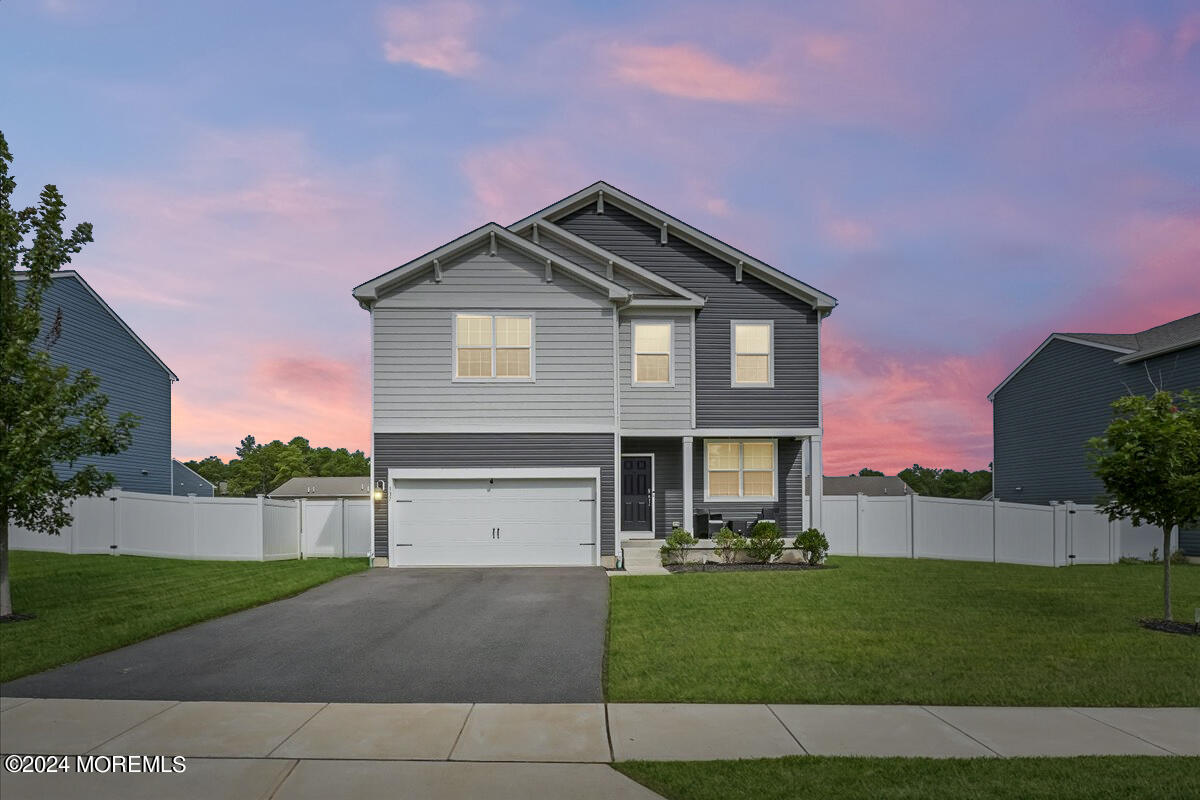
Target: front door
<point x="636" y="493"/>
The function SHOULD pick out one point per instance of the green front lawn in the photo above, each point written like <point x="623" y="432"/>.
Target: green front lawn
<point x="824" y="778"/>
<point x="90" y="604"/>
<point x="876" y="630"/>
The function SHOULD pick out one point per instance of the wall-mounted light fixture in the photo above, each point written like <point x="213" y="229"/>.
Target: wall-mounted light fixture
<point x="379" y="489"/>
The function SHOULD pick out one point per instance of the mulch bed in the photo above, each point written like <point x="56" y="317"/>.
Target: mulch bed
<point x="1170" y="626"/>
<point x="740" y="567"/>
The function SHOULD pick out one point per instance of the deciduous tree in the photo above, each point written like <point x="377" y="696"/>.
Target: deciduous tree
<point x="49" y="417"/>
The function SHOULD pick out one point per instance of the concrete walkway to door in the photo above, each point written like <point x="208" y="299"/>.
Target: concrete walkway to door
<point x="524" y="635"/>
<point x="301" y="750"/>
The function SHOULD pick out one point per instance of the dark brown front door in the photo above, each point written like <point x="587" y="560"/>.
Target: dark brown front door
<point x="635" y="493"/>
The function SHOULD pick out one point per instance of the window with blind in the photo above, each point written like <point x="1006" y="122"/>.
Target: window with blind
<point x="652" y="354"/>
<point x="752" y="353"/>
<point x="493" y="347"/>
<point x="739" y="470"/>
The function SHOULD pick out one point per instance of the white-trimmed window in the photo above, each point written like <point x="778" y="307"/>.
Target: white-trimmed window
<point x="752" y="352"/>
<point x="741" y="470"/>
<point x="493" y="347"/>
<point x="652" y="356"/>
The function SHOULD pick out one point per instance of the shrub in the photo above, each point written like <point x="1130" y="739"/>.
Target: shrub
<point x="766" y="542"/>
<point x="728" y="545"/>
<point x="675" y="550"/>
<point x="813" y="544"/>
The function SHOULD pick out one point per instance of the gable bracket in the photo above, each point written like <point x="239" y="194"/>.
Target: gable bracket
<point x="663" y="238"/>
<point x="549" y="271"/>
<point x="600" y="202"/>
<point x="492" y="243"/>
<point x="608" y="270"/>
<point x="534" y="232"/>
<point x="737" y="271"/>
<point x="437" y="271"/>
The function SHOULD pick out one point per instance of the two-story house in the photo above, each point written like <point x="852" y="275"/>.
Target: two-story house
<point x="1047" y="408"/>
<point x="82" y="331"/>
<point x="596" y="372"/>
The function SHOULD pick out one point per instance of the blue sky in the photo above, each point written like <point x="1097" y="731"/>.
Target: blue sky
<point x="965" y="178"/>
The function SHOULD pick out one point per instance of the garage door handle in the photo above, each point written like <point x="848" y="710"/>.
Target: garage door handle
<point x="406" y="544"/>
<point x="586" y="544"/>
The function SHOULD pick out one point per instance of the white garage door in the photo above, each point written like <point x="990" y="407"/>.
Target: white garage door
<point x="493" y="521"/>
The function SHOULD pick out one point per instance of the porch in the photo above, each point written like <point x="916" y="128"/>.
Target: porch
<point x="702" y="482"/>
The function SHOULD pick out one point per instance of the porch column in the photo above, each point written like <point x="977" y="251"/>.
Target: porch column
<point x="688" y="511"/>
<point x="817" y="470"/>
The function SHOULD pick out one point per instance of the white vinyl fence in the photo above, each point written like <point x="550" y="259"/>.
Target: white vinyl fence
<point x="913" y="526"/>
<point x="218" y="528"/>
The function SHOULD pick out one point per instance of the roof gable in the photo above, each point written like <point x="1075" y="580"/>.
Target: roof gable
<point x="1056" y="337"/>
<point x="70" y="274"/>
<point x="370" y="291"/>
<point x="600" y="193"/>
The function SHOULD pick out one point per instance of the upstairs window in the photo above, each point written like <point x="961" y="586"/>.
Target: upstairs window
<point x="652" y="354"/>
<point x="752" y="353"/>
<point x="493" y="347"/>
<point x="741" y="470"/>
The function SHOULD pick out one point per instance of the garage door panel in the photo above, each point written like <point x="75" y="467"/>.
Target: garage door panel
<point x="541" y="521"/>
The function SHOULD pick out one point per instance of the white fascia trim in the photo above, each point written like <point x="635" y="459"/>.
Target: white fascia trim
<point x="649" y="213"/>
<point x="661" y="302"/>
<point x="370" y="291"/>
<point x="436" y="473"/>
<point x="724" y="433"/>
<point x="1051" y="338"/>
<point x="1142" y="355"/>
<point x="514" y="427"/>
<point x="594" y="250"/>
<point x="70" y="273"/>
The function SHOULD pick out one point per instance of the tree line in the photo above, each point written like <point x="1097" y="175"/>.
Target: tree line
<point x="262" y="468"/>
<point x="932" y="482"/>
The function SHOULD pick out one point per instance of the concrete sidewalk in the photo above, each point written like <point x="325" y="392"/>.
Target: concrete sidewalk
<point x="294" y="750"/>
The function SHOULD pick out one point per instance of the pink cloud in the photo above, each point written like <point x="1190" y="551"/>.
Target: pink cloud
<point x="889" y="410"/>
<point x="684" y="70"/>
<point x="1186" y="36"/>
<point x="852" y="234"/>
<point x="436" y="36"/>
<point x="510" y="180"/>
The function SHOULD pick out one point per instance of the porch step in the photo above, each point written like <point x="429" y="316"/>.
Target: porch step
<point x="642" y="557"/>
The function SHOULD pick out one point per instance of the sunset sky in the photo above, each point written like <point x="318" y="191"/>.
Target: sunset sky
<point x="964" y="178"/>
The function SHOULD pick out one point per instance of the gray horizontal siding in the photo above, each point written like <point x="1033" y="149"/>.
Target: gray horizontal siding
<point x="413" y="343"/>
<point x="668" y="479"/>
<point x="793" y="399"/>
<point x="662" y="407"/>
<point x="417" y="451"/>
<point x="131" y="378"/>
<point x="788" y="510"/>
<point x="184" y="482"/>
<point x="509" y="279"/>
<point x="574" y="255"/>
<point x="1043" y="417"/>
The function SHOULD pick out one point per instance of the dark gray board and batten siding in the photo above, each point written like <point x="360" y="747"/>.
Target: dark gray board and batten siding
<point x="1043" y="417"/>
<point x="792" y="401"/>
<point x="499" y="450"/>
<point x="132" y="379"/>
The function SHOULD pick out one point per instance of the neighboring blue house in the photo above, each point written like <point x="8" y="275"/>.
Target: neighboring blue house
<point x="91" y="336"/>
<point x="184" y="480"/>
<point x="1061" y="395"/>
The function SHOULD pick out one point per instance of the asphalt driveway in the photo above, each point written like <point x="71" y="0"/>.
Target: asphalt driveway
<point x="532" y="635"/>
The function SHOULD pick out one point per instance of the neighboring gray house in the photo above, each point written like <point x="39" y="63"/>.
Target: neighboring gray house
<point x="870" y="485"/>
<point x="356" y="488"/>
<point x="1061" y="396"/>
<point x="90" y="335"/>
<point x="595" y="372"/>
<point x="185" y="480"/>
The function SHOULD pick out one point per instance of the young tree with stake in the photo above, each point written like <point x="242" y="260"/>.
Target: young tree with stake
<point x="1149" y="461"/>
